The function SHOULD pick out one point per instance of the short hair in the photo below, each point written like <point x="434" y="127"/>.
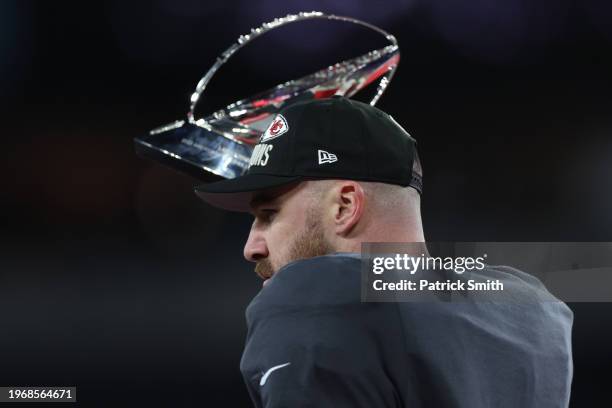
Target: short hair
<point x="382" y="197"/>
<point x="390" y="197"/>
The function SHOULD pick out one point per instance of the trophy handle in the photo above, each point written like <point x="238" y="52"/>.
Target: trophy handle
<point x="265" y="27"/>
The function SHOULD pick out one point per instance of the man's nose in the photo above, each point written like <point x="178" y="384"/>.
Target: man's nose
<point x="255" y="247"/>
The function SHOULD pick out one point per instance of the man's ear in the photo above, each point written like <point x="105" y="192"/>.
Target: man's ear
<point x="349" y="200"/>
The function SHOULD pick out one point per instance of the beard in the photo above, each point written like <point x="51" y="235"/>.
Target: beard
<point x="310" y="242"/>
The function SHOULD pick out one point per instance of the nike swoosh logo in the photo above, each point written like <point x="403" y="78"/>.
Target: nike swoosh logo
<point x="264" y="378"/>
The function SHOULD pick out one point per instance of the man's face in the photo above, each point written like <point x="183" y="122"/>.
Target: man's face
<point x="287" y="227"/>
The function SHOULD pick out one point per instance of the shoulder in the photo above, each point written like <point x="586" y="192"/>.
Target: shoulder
<point x="523" y="302"/>
<point x="323" y="280"/>
<point x="312" y="309"/>
<point x="315" y="289"/>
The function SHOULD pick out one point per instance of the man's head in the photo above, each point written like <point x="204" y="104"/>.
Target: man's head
<point x="319" y="217"/>
<point x="287" y="226"/>
<point x="325" y="176"/>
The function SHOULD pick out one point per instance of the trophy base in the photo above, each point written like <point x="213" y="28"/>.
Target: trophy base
<point x="202" y="153"/>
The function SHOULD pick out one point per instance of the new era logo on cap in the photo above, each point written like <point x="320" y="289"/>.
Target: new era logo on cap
<point x="327" y="157"/>
<point x="278" y="127"/>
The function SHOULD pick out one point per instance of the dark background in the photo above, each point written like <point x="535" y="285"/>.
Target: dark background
<point x="116" y="279"/>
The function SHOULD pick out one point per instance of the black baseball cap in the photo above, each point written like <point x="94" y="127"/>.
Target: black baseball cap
<point x="334" y="138"/>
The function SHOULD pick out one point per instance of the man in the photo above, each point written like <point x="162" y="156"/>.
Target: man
<point x="326" y="176"/>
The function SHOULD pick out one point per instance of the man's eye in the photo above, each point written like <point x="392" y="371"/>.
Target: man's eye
<point x="268" y="213"/>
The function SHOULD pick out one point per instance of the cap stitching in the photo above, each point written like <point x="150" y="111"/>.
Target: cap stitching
<point x="365" y="143"/>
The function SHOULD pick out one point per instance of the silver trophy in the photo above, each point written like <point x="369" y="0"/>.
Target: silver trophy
<point x="220" y="144"/>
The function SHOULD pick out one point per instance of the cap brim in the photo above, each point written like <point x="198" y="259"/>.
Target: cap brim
<point x="236" y="194"/>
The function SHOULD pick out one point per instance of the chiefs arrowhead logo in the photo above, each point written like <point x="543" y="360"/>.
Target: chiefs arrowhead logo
<point x="278" y="127"/>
